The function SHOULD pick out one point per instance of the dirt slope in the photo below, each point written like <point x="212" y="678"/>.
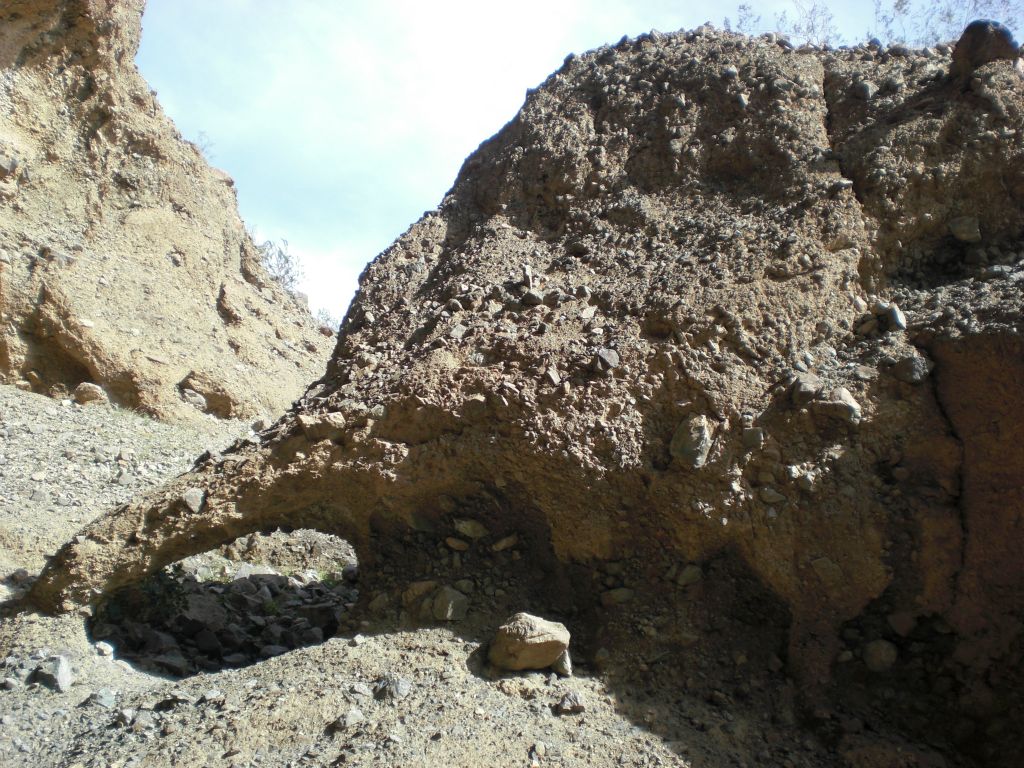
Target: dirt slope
<point x="123" y="261"/>
<point x="706" y="299"/>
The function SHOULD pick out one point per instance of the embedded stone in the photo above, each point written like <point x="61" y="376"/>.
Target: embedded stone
<point x="692" y="441"/>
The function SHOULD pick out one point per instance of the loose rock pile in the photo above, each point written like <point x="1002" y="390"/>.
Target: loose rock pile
<point x="184" y="625"/>
<point x="210" y="612"/>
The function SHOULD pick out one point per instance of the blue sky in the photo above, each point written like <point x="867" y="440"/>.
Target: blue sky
<point x="342" y="121"/>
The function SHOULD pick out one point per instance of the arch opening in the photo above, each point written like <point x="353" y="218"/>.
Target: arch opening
<point x="254" y="598"/>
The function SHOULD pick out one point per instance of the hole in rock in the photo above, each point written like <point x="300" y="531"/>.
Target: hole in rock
<point x="256" y="597"/>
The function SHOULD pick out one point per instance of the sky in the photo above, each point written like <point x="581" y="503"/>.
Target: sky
<point x="342" y="121"/>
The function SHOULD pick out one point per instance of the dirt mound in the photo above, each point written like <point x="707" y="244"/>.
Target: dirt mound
<point x="123" y="261"/>
<point x="705" y="299"/>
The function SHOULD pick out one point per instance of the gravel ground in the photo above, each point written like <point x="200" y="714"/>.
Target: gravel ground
<point x="686" y="678"/>
<point x="62" y="465"/>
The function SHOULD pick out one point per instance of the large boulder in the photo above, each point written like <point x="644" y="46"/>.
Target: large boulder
<point x="697" y="232"/>
<point x="123" y="261"/>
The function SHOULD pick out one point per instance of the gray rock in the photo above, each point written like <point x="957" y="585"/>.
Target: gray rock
<point x="563" y="665"/>
<point x="193" y="398"/>
<point x="606" y="359"/>
<point x="965" y="229"/>
<point x="880" y="655"/>
<point x="125" y="716"/>
<point x="912" y="369"/>
<point x="472" y="529"/>
<point x="104" y="697"/>
<point x="840" y="405"/>
<point x="753" y="437"/>
<point x="894" y="318"/>
<point x="692" y="441"/>
<point x="533" y="298"/>
<point x="174" y="662"/>
<point x="449" y="604"/>
<point x="571" y="704"/>
<point x="211" y="696"/>
<point x="805" y="387"/>
<point x="193" y="498"/>
<point x="55" y="673"/>
<point x="349" y="720"/>
<point x="248" y="570"/>
<point x="691" y="574"/>
<point x="865" y="90"/>
<point x="104" y="649"/>
<point x="391" y="687"/>
<point x="360" y="689"/>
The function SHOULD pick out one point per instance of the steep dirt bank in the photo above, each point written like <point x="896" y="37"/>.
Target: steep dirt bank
<point x="706" y="302"/>
<point x="123" y="261"/>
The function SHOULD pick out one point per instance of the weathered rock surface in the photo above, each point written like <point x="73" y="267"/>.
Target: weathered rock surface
<point x="528" y="642"/>
<point x="725" y="215"/>
<point x="123" y="262"/>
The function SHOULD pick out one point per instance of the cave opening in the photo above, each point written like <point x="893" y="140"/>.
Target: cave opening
<point x="259" y="596"/>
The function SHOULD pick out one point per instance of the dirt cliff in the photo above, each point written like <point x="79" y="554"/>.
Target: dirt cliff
<point x="705" y="297"/>
<point x="123" y="261"/>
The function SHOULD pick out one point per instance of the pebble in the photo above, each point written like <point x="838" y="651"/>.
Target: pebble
<point x="193" y="498"/>
<point x="104" y="697"/>
<point x="456" y="544"/>
<point x="912" y="369"/>
<point x="391" y="688"/>
<point x="606" y="359"/>
<point x="449" y="604"/>
<point x="570" y="704"/>
<point x="472" y="529"/>
<point x="965" y="229"/>
<point x="350" y="719"/>
<point x="805" y="388"/>
<point x="841" y="405"/>
<point x="691" y="574"/>
<point x="692" y="440"/>
<point x="55" y="673"/>
<point x="865" y="90"/>
<point x="880" y="655"/>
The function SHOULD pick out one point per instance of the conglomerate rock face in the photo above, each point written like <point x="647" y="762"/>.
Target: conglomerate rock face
<point x="123" y="261"/>
<point x="705" y="294"/>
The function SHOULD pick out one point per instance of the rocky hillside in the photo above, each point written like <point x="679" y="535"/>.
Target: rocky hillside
<point x="707" y="305"/>
<point x="123" y="261"/>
